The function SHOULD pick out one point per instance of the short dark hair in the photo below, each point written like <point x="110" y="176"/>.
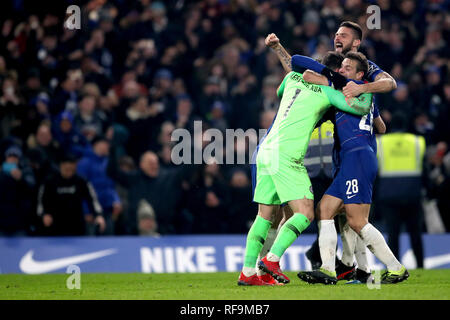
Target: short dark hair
<point x="332" y="59"/>
<point x="355" y="27"/>
<point x="363" y="64"/>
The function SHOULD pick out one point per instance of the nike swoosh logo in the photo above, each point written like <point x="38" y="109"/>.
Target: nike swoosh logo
<point x="30" y="266"/>
<point x="349" y="197"/>
<point x="436" y="261"/>
<point x="429" y="263"/>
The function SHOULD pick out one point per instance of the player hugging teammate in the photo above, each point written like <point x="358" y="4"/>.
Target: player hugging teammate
<point x="282" y="178"/>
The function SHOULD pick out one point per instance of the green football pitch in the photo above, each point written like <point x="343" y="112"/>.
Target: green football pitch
<point x="422" y="285"/>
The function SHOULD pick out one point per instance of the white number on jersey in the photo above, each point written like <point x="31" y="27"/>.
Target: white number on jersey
<point x="366" y="122"/>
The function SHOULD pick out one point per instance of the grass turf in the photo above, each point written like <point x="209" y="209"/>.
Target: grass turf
<point x="422" y="285"/>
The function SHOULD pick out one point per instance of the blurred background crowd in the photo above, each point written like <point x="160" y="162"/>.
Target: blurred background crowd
<point x="102" y="102"/>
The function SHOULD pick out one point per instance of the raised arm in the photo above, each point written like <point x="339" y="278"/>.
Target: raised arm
<point x="273" y="42"/>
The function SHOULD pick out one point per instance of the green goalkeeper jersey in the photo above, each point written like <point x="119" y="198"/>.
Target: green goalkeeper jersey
<point x="302" y="105"/>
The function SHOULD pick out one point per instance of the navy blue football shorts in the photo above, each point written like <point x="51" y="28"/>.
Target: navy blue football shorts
<point x="355" y="178"/>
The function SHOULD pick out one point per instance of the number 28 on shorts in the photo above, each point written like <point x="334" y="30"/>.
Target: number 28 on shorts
<point x="352" y="188"/>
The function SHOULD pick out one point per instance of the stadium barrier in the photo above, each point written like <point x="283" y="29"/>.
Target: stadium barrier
<point x="166" y="254"/>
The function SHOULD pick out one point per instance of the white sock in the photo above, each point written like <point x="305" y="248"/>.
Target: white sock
<point x="361" y="255"/>
<point x="273" y="257"/>
<point x="270" y="239"/>
<point x="248" y="271"/>
<point x="376" y="243"/>
<point x="348" y="237"/>
<point x="327" y="244"/>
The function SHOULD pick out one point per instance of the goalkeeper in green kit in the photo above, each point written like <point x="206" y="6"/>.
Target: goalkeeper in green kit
<point x="281" y="175"/>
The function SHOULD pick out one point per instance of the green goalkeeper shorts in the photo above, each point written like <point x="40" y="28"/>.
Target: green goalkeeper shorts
<point x="280" y="179"/>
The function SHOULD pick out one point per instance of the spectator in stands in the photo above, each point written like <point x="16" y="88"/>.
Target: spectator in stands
<point x="92" y="167"/>
<point x="16" y="191"/>
<point x="183" y="116"/>
<point x="401" y="179"/>
<point x="88" y="120"/>
<point x="41" y="103"/>
<point x="61" y="198"/>
<point x="66" y="97"/>
<point x="241" y="212"/>
<point x="211" y="92"/>
<point x="96" y="50"/>
<point x="439" y="175"/>
<point x="269" y="99"/>
<point x="218" y="116"/>
<point x="160" y="187"/>
<point x="161" y="91"/>
<point x="165" y="134"/>
<point x="42" y="169"/>
<point x="143" y="122"/>
<point x="12" y="110"/>
<point x="69" y="139"/>
<point x="209" y="199"/>
<point x="146" y="220"/>
<point x="44" y="142"/>
<point x="244" y="103"/>
<point x="127" y="165"/>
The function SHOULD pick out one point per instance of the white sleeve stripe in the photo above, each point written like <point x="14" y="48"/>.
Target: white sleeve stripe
<point x="97" y="206"/>
<point x="40" y="205"/>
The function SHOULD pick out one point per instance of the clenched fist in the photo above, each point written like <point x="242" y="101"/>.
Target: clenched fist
<point x="272" y="41"/>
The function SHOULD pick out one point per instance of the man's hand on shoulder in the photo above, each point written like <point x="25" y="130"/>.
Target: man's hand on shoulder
<point x="352" y="89"/>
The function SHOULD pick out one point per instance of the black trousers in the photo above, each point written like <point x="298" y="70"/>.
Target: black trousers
<point x="406" y="213"/>
<point x="444" y="203"/>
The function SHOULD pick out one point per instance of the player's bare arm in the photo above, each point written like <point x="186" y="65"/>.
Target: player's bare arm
<point x="384" y="82"/>
<point x="314" y="77"/>
<point x="379" y="125"/>
<point x="273" y="42"/>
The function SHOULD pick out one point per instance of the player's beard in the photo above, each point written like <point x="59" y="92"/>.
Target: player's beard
<point x="344" y="50"/>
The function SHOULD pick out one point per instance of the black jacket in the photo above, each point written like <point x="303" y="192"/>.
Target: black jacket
<point x="63" y="200"/>
<point x="15" y="201"/>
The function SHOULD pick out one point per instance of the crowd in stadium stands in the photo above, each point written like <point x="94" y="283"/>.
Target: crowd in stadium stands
<point x="110" y="94"/>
